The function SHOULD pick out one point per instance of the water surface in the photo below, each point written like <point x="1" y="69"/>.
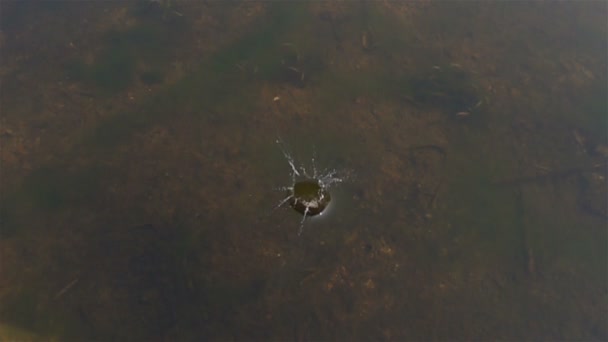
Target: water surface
<point x="139" y="170"/>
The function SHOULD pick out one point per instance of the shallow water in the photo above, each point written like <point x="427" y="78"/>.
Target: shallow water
<point x="139" y="170"/>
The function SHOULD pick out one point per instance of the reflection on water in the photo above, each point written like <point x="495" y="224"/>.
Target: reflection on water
<point x="138" y="161"/>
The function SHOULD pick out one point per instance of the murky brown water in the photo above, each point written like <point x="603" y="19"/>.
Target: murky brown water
<point x="139" y="170"/>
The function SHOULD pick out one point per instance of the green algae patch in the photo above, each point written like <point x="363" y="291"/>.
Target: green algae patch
<point x="23" y="313"/>
<point x="124" y="51"/>
<point x="594" y="115"/>
<point x="54" y="188"/>
<point x="115" y="130"/>
<point x="259" y="47"/>
<point x="215" y="86"/>
<point x="51" y="188"/>
<point x="337" y="88"/>
<point x="151" y="77"/>
<point x="112" y="71"/>
<point x="448" y="88"/>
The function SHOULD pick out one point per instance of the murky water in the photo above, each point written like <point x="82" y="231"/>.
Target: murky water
<point x="140" y="169"/>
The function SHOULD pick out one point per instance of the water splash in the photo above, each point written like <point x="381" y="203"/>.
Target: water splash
<point x="308" y="193"/>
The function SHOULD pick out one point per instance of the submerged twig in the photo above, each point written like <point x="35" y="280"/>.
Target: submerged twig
<point x="66" y="288"/>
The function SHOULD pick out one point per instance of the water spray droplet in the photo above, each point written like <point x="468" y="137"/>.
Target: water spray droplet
<point x="308" y="194"/>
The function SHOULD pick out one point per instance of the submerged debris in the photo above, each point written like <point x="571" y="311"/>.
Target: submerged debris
<point x="367" y="41"/>
<point x="291" y="66"/>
